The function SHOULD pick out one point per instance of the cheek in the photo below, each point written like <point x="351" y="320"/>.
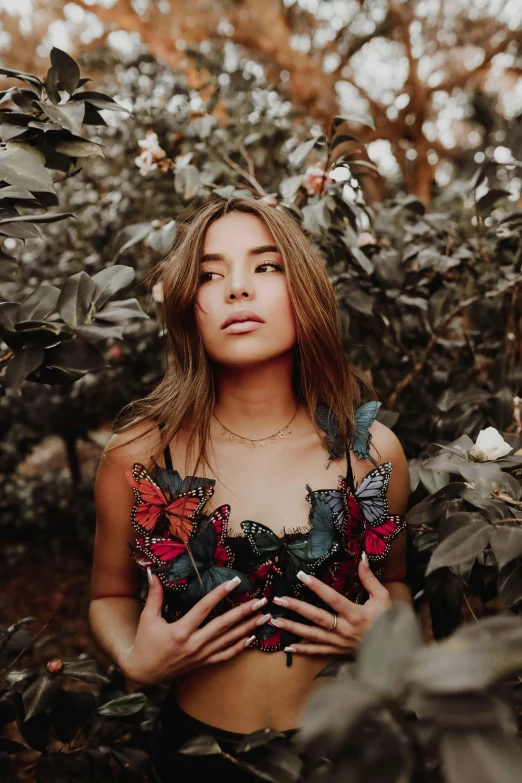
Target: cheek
<point x="205" y="313"/>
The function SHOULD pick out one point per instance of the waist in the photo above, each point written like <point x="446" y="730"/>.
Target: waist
<point x="250" y="692"/>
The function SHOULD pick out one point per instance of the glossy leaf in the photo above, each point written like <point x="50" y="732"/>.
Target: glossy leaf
<point x="76" y="299"/>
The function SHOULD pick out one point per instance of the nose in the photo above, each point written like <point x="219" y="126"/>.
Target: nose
<point x="240" y="285"/>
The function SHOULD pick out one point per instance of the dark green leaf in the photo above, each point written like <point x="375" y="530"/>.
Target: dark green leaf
<point x="491" y="197"/>
<point x="129" y="236"/>
<point x="387" y="647"/>
<point x="510" y="584"/>
<point x="69" y="115"/>
<point x="75" y="355"/>
<point x="460" y="665"/>
<point x="118" y="312"/>
<point x="202" y="745"/>
<point x="19" y="677"/>
<point x="76" y="299"/>
<point x="258" y="739"/>
<point x="440" y="305"/>
<point x="24" y="169"/>
<point x="67" y="70"/>
<point x="23" y="363"/>
<point x="39" y="304"/>
<point x="297" y="156"/>
<point x="110" y="280"/>
<point x="25" y="77"/>
<point x="124" y="706"/>
<point x="133" y="760"/>
<point x="86" y="670"/>
<point x="39" y="695"/>
<point x="359" y="118"/>
<point x="48" y="217"/>
<point x="462" y="546"/>
<point x="481" y="757"/>
<point x="506" y="543"/>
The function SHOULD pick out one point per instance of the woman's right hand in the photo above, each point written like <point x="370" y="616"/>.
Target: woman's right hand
<point x="162" y="651"/>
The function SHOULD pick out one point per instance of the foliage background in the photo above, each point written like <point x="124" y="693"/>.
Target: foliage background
<point x="417" y="215"/>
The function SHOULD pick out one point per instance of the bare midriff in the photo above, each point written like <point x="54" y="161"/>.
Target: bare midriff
<point x="252" y="691"/>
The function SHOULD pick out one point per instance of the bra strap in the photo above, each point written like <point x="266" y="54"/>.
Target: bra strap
<point x="349" y="470"/>
<point x="168" y="458"/>
<point x="166" y="454"/>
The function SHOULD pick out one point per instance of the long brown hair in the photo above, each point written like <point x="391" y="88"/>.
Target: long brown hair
<point x="185" y="396"/>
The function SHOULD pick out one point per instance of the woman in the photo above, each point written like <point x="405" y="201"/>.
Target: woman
<point x="247" y="602"/>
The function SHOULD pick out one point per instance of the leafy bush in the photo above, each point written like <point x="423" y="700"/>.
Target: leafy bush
<point x="430" y="308"/>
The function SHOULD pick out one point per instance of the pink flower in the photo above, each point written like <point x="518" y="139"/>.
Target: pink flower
<point x="313" y="179"/>
<point x="151" y="153"/>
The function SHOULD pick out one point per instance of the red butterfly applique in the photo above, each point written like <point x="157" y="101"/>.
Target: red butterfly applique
<point x="366" y="522"/>
<point x="152" y="507"/>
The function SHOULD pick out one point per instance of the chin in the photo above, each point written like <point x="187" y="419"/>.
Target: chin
<point x="248" y="355"/>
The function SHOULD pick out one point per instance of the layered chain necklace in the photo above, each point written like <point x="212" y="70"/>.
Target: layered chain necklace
<point x="255" y="441"/>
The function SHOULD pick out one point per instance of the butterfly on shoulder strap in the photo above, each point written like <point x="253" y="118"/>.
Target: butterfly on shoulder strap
<point x="363" y="419"/>
<point x="153" y="509"/>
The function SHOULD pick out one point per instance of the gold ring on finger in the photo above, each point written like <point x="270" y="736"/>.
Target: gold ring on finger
<point x="334" y="624"/>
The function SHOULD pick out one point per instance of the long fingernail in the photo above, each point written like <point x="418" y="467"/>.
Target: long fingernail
<point x="277" y="623"/>
<point x="280" y="601"/>
<point x="306" y="578"/>
<point x="149" y="576"/>
<point x="290" y="649"/>
<point x="264" y="619"/>
<point x="364" y="558"/>
<point x="259" y="604"/>
<point x="249" y="641"/>
<point x="233" y="583"/>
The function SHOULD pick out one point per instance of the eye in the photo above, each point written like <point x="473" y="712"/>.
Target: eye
<point x="262" y="267"/>
<point x="205" y="277"/>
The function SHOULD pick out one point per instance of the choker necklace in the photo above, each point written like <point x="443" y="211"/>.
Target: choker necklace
<point x="262" y="441"/>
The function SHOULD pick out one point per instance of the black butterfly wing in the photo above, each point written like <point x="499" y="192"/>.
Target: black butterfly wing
<point x="296" y="558"/>
<point x="169" y="480"/>
<point x="191" y="482"/>
<point x="264" y="542"/>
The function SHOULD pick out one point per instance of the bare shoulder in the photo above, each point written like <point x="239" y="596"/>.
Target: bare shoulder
<point x="386" y="447"/>
<point x="139" y="443"/>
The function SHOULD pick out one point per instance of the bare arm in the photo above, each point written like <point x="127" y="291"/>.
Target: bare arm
<point x="115" y="606"/>
<point x="146" y="648"/>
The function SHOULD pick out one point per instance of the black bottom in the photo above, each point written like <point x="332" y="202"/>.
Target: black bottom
<point x="168" y="765"/>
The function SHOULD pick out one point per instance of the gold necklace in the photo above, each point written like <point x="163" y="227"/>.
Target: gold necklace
<point x="253" y="441"/>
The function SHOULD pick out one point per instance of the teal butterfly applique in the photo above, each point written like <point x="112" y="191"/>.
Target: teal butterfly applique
<point x="364" y="417"/>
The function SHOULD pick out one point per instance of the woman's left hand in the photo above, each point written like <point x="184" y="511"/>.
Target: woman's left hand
<point x="338" y="632"/>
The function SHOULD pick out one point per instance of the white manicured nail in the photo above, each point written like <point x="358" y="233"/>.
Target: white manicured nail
<point x="280" y="601"/>
<point x="306" y="578"/>
<point x="259" y="604"/>
<point x="149" y="576"/>
<point x="233" y="583"/>
<point x="249" y="641"/>
<point x="264" y="619"/>
<point x="290" y="649"/>
<point x="364" y="558"/>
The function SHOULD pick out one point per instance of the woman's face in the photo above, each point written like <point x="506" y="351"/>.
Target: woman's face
<point x="242" y="275"/>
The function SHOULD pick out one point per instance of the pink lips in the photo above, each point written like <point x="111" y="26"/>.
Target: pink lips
<point x="242" y="321"/>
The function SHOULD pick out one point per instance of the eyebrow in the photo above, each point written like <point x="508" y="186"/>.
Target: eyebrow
<point x="254" y="251"/>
